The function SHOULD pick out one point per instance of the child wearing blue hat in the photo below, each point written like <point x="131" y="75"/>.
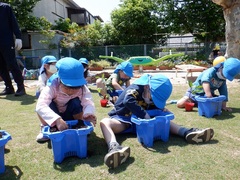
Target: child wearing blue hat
<point x="147" y="92"/>
<point x="47" y="69"/>
<point x="67" y="98"/>
<point x="211" y="80"/>
<point x="85" y="63"/>
<point x="120" y="77"/>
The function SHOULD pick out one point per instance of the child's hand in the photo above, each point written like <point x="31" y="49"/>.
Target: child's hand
<point x="147" y="116"/>
<point x="90" y="117"/>
<point x="61" y="124"/>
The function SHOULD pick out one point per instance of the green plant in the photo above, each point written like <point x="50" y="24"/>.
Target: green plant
<point x="101" y="63"/>
<point x="195" y="89"/>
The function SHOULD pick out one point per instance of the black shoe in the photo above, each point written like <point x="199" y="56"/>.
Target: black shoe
<point x="195" y="136"/>
<point x="7" y="91"/>
<point x="20" y="92"/>
<point x="116" y="156"/>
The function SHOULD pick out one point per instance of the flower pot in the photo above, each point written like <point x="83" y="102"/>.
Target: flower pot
<point x="103" y="102"/>
<point x="189" y="106"/>
<point x="95" y="68"/>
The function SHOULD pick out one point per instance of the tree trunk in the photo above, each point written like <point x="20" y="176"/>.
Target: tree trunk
<point x="231" y="10"/>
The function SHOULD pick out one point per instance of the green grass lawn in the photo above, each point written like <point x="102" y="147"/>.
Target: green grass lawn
<point x="175" y="159"/>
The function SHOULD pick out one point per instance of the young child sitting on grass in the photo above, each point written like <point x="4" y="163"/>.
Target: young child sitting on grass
<point x="67" y="98"/>
<point x="120" y="78"/>
<point x="147" y="92"/>
<point x="47" y="69"/>
<point x="210" y="80"/>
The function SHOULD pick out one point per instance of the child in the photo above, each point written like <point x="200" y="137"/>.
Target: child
<point x="147" y="92"/>
<point x="47" y="69"/>
<point x="213" y="79"/>
<point x="120" y="77"/>
<point x="84" y="62"/>
<point x="67" y="98"/>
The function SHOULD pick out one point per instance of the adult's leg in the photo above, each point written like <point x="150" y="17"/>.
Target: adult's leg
<point x="16" y="71"/>
<point x="4" y="73"/>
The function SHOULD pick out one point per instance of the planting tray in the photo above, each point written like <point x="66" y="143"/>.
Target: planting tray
<point x="210" y="107"/>
<point x="155" y="128"/>
<point x="70" y="142"/>
<point x="3" y="141"/>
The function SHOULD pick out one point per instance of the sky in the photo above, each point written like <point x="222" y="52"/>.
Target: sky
<point x="101" y="8"/>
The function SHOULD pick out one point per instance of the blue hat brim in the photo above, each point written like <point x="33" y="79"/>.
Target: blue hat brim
<point x="73" y="82"/>
<point x="143" y="80"/>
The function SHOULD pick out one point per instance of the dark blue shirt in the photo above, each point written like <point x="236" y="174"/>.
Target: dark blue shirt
<point x="131" y="102"/>
<point x="9" y="26"/>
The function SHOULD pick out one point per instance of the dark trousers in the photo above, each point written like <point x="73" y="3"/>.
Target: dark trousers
<point x="73" y="107"/>
<point x="8" y="63"/>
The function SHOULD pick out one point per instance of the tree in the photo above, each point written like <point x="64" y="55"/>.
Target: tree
<point x="231" y="10"/>
<point x="202" y="18"/>
<point x="23" y="10"/>
<point x="134" y="22"/>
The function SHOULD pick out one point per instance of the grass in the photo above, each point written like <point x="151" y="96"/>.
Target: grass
<point x="175" y="159"/>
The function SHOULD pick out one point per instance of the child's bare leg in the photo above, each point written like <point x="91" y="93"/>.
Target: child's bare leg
<point x="101" y="87"/>
<point x="182" y="101"/>
<point x="111" y="126"/>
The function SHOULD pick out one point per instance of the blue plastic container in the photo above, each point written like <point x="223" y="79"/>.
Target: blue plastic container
<point x="152" y="129"/>
<point x="70" y="142"/>
<point x="3" y="141"/>
<point x="210" y="107"/>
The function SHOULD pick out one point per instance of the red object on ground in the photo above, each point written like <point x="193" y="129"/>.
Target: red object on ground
<point x="104" y="102"/>
<point x="189" y="106"/>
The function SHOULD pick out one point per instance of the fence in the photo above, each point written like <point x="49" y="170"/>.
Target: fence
<point x="123" y="51"/>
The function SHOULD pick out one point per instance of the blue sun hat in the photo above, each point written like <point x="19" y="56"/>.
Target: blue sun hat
<point x="160" y="88"/>
<point x="70" y="72"/>
<point x="46" y="60"/>
<point x="126" y="67"/>
<point x="231" y="67"/>
<point x="83" y="61"/>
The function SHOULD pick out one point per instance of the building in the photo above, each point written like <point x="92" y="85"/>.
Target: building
<point x="53" y="10"/>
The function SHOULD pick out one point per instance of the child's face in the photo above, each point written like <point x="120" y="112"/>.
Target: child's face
<point x="147" y="95"/>
<point x="123" y="75"/>
<point x="220" y="74"/>
<point x="50" y="67"/>
<point x="69" y="90"/>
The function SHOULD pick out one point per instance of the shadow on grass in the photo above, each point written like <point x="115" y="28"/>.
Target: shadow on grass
<point x="225" y="115"/>
<point x="11" y="172"/>
<point x="174" y="140"/>
<point x="25" y="99"/>
<point x="93" y="90"/>
<point x="96" y="151"/>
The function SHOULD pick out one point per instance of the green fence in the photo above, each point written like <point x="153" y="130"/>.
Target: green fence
<point x="123" y="51"/>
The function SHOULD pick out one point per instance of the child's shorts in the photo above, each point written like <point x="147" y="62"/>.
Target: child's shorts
<point x="73" y="107"/>
<point x="125" y="119"/>
<point x="112" y="93"/>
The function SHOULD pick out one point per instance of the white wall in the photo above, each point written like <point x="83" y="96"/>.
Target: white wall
<point x="51" y="9"/>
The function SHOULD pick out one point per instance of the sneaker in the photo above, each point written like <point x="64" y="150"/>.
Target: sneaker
<point x="116" y="156"/>
<point x="20" y="92"/>
<point x="7" y="91"/>
<point x="41" y="138"/>
<point x="195" y="135"/>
